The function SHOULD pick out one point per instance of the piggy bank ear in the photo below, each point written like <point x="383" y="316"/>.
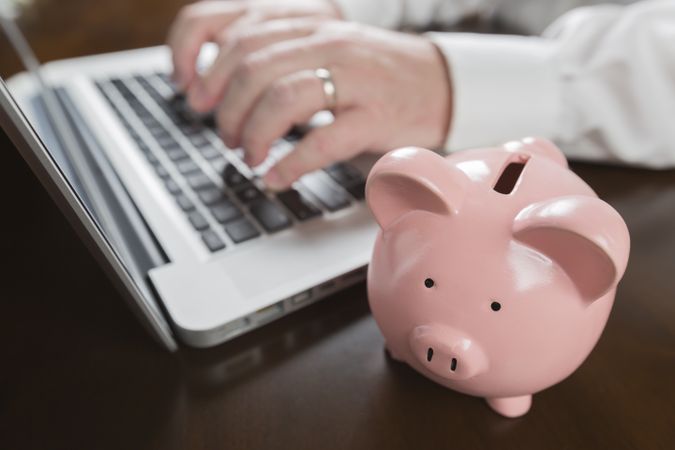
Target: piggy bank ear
<point x="412" y="179"/>
<point x="585" y="236"/>
<point x="537" y="146"/>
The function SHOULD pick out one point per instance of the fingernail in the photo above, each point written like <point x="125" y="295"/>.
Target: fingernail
<point x="274" y="181"/>
<point x="197" y="96"/>
<point x="178" y="81"/>
<point x="229" y="142"/>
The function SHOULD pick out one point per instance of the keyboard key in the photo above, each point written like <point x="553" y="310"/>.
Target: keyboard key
<point x="159" y="98"/>
<point x="152" y="159"/>
<point x="270" y="215"/>
<point x="173" y="114"/>
<point x="209" y="121"/>
<point x="176" y="154"/>
<point x="212" y="241"/>
<point x="225" y="211"/>
<point x="178" y="102"/>
<point x="141" y="79"/>
<point x="211" y="195"/>
<point x="199" y="141"/>
<point x="344" y="174"/>
<point x="209" y="152"/>
<point x="219" y="164"/>
<point x="117" y="83"/>
<point x="172" y="186"/>
<point x="146" y="118"/>
<point x="349" y="178"/>
<point x="187" y="166"/>
<point x="358" y="190"/>
<point x="158" y="131"/>
<point x="298" y="204"/>
<point x="135" y="104"/>
<point x="199" y="181"/>
<point x="249" y="194"/>
<point x="166" y="78"/>
<point x="190" y="128"/>
<point x="332" y="198"/>
<point x="131" y="98"/>
<point x="162" y="172"/>
<point x="233" y="178"/>
<point x="184" y="203"/>
<point x="198" y="221"/>
<point x="241" y="230"/>
<point x="184" y="116"/>
<point x="167" y="142"/>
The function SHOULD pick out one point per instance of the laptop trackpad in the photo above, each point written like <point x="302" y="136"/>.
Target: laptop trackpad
<point x="259" y="273"/>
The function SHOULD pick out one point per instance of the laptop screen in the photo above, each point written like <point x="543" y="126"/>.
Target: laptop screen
<point x="78" y="179"/>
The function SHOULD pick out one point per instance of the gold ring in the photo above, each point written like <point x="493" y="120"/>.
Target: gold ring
<point x="329" y="91"/>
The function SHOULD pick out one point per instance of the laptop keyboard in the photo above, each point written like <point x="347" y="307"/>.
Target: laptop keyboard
<point x="221" y="201"/>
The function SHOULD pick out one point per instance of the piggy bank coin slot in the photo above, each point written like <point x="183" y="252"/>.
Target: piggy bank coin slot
<point x="453" y="364"/>
<point x="510" y="176"/>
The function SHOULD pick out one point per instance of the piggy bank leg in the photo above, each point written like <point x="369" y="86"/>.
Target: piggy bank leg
<point x="511" y="406"/>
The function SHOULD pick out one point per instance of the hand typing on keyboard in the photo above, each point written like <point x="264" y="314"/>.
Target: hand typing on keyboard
<point x="225" y="22"/>
<point x="220" y="199"/>
<point x="390" y="89"/>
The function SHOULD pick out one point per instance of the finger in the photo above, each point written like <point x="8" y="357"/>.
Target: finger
<point x="207" y="91"/>
<point x="289" y="101"/>
<point x="196" y="24"/>
<point x="257" y="71"/>
<point x="348" y="136"/>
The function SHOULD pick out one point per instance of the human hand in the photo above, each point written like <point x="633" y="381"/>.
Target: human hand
<point x="392" y="90"/>
<point x="223" y="21"/>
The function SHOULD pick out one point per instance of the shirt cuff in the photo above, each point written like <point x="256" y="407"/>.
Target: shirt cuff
<point x="504" y="88"/>
<point x="379" y="13"/>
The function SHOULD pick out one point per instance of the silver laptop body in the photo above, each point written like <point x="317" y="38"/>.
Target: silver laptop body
<point x="202" y="251"/>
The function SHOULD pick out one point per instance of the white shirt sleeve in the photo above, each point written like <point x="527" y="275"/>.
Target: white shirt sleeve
<point x="396" y="14"/>
<point x="600" y="82"/>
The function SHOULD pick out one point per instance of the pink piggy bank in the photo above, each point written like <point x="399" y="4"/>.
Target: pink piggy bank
<point x="494" y="270"/>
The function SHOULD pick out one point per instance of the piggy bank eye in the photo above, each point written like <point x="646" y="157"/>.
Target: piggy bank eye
<point x="496" y="306"/>
<point x="429" y="283"/>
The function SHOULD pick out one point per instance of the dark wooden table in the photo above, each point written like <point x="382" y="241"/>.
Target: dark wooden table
<point x="78" y="372"/>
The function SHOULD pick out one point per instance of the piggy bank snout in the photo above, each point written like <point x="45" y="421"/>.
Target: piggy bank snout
<point x="447" y="353"/>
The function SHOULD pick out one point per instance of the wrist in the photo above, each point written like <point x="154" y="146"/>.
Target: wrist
<point x="440" y="95"/>
<point x="523" y="100"/>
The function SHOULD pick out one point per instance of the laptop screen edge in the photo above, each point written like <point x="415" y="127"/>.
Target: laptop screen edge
<point x="33" y="151"/>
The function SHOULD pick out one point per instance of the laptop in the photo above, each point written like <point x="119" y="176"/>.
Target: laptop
<point x="184" y="228"/>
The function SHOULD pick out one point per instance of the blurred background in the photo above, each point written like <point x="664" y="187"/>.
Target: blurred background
<point x="58" y="29"/>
